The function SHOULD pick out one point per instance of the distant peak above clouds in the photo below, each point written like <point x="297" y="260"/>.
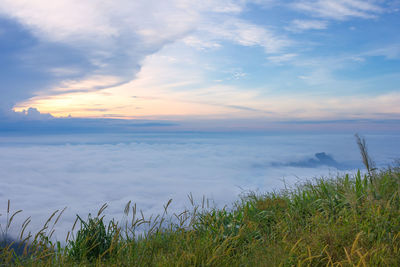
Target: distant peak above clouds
<point x="319" y="159"/>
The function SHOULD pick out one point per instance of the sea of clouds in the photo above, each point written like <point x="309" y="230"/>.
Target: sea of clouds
<point x="41" y="174"/>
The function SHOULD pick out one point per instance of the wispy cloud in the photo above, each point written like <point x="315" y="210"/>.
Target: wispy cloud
<point x="340" y="9"/>
<point x="390" y="52"/>
<point x="87" y="84"/>
<point x="303" y="25"/>
<point x="282" y="58"/>
<point x="247" y="34"/>
<point x="201" y="44"/>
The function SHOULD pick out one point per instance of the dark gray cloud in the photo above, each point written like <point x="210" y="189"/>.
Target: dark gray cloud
<point x="36" y="123"/>
<point x="31" y="121"/>
<point x="26" y="64"/>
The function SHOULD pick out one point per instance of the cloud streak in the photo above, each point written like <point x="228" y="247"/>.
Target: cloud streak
<point x="340" y="9"/>
<point x="303" y="25"/>
<point x="247" y="34"/>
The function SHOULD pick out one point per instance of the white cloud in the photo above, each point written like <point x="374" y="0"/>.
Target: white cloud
<point x="144" y="25"/>
<point x="113" y="36"/>
<point x="87" y="84"/>
<point x="210" y="34"/>
<point x="340" y="9"/>
<point x="247" y="34"/>
<point x="282" y="58"/>
<point x="302" y="25"/>
<point x="60" y="71"/>
<point x="29" y="114"/>
<point x="318" y="77"/>
<point x="390" y="52"/>
<point x="91" y="21"/>
<point x="199" y="43"/>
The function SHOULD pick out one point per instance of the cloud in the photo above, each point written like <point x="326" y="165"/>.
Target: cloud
<point x="76" y="45"/>
<point x="101" y="54"/>
<point x="80" y="40"/>
<point x="340" y="9"/>
<point x="181" y="93"/>
<point x="29" y="114"/>
<point x="318" y="77"/>
<point x="391" y="52"/>
<point x="195" y="41"/>
<point x="101" y="24"/>
<point x="31" y="121"/>
<point x="303" y="25"/>
<point x="171" y="82"/>
<point x="247" y="34"/>
<point x="91" y="83"/>
<point x="282" y="58"/>
<point x="34" y="114"/>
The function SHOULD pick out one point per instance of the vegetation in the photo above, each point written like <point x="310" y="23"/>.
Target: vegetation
<point x="349" y="220"/>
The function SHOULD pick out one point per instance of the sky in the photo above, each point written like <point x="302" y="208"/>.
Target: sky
<point x="188" y="64"/>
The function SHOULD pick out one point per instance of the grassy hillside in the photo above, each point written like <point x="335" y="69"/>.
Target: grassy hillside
<point x="351" y="220"/>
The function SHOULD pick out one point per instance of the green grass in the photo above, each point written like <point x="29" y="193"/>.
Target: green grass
<point x="350" y="220"/>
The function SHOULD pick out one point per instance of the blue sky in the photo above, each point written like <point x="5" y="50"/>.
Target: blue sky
<point x="243" y="63"/>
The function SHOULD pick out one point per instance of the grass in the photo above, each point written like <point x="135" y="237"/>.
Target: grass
<point x="349" y="220"/>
